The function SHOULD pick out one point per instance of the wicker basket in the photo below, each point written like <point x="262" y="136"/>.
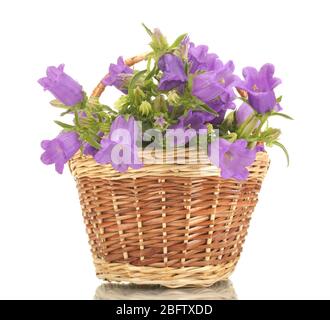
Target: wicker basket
<point x="170" y="224"/>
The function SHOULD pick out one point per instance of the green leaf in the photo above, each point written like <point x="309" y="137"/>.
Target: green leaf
<point x="105" y="107"/>
<point x="64" y="125"/>
<point x="276" y="143"/>
<point x="281" y="115"/>
<point x="150" y="33"/>
<point x="149" y="60"/>
<point x="65" y="112"/>
<point x="208" y="109"/>
<point x="58" y="104"/>
<point x="279" y="99"/>
<point x="92" y="142"/>
<point x="151" y="73"/>
<point x="178" y="40"/>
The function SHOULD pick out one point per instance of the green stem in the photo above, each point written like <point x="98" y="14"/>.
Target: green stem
<point x="252" y="144"/>
<point x="262" y="122"/>
<point x="248" y="126"/>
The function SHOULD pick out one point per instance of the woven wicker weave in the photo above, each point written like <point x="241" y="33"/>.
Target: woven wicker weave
<point x="170" y="224"/>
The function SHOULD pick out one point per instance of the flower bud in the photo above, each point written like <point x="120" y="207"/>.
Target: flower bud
<point x="229" y="121"/>
<point x="145" y="108"/>
<point x="173" y="98"/>
<point x="271" y="135"/>
<point x="183" y="49"/>
<point x="158" y="41"/>
<point x="139" y="95"/>
<point x="209" y="128"/>
<point x="160" y="104"/>
<point x="121" y="102"/>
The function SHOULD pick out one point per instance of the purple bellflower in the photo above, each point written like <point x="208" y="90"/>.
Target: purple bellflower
<point x="260" y="88"/>
<point x="228" y="80"/>
<point x="201" y="60"/>
<point x="215" y="88"/>
<point x="119" y="148"/>
<point x="188" y="127"/>
<point x="119" y="75"/>
<point x="193" y="119"/>
<point x="232" y="158"/>
<point x="62" y="86"/>
<point x="207" y="88"/>
<point x="173" y="73"/>
<point x="61" y="149"/>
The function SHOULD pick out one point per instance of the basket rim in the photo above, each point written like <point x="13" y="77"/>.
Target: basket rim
<point x="85" y="166"/>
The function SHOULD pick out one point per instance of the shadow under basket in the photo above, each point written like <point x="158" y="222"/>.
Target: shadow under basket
<point x="174" y="225"/>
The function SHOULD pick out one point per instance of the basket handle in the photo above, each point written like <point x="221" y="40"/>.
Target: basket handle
<point x="97" y="92"/>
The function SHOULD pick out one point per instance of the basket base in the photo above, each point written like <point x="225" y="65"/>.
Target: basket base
<point x="222" y="290"/>
<point x="168" y="277"/>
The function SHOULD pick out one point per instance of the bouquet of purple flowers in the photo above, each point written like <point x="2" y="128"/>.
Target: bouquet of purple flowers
<point x="184" y="95"/>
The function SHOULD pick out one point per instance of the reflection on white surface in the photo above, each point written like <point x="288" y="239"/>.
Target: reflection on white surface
<point x="222" y="290"/>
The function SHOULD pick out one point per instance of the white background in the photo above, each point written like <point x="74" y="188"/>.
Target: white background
<point x="43" y="246"/>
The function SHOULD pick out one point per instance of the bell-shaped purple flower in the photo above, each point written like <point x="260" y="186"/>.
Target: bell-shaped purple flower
<point x="260" y="87"/>
<point x="120" y="147"/>
<point x="201" y="60"/>
<point x="215" y="88"/>
<point x="206" y="87"/>
<point x="62" y="86"/>
<point x="227" y="79"/>
<point x="194" y="120"/>
<point x="232" y="158"/>
<point x="188" y="126"/>
<point x="173" y="73"/>
<point x="61" y="149"/>
<point x="119" y="75"/>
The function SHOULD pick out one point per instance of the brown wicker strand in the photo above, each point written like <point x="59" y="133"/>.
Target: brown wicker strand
<point x="212" y="220"/>
<point x="187" y="206"/>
